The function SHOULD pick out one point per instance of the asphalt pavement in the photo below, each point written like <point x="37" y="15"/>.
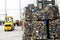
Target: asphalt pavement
<point x="16" y="34"/>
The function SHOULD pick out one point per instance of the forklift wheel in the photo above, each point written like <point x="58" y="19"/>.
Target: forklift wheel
<point x="5" y="30"/>
<point x="12" y="29"/>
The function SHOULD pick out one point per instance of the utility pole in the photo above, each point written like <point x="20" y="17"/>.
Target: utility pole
<point x="20" y="8"/>
<point x="5" y="8"/>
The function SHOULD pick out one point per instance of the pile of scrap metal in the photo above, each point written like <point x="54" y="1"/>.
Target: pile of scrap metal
<point x="35" y="22"/>
<point x="28" y="30"/>
<point x="18" y="23"/>
<point x="39" y="30"/>
<point x="53" y="29"/>
<point x="50" y="12"/>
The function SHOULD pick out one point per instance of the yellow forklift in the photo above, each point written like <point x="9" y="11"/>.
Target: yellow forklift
<point x="8" y="23"/>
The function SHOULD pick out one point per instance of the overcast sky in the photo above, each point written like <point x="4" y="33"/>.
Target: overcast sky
<point x="12" y="7"/>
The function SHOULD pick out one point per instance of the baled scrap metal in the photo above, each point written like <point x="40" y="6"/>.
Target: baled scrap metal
<point x="39" y="31"/>
<point x="28" y="28"/>
<point x="26" y="38"/>
<point x="37" y="27"/>
<point x="53" y="29"/>
<point x="46" y="13"/>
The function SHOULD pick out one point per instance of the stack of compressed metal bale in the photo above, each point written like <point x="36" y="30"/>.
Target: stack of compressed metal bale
<point x="28" y="23"/>
<point x="35" y="22"/>
<point x="39" y="30"/>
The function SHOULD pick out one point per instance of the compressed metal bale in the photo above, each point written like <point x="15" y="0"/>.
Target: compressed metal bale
<point x="26" y="38"/>
<point x="28" y="28"/>
<point x="38" y="26"/>
<point x="53" y="29"/>
<point x="37" y="17"/>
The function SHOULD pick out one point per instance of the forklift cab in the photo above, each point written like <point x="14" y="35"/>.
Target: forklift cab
<point x="8" y="23"/>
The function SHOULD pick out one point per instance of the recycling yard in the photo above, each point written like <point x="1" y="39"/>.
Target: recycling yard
<point x="29" y="19"/>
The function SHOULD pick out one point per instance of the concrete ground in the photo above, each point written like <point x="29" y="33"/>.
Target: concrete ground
<point x="11" y="35"/>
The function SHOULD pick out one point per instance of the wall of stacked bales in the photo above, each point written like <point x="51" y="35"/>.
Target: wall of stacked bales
<point x="35" y="22"/>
